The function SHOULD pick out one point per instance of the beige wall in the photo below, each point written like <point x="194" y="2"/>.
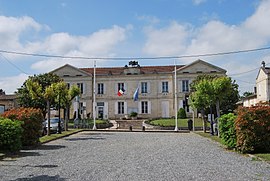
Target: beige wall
<point x="157" y="101"/>
<point x="262" y="84"/>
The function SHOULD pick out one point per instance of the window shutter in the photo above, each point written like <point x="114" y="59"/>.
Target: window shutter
<point x="84" y="87"/>
<point x="140" y="107"/>
<point x="148" y="87"/>
<point x="116" y="107"/>
<point x="149" y="107"/>
<point x="181" y="105"/>
<point x="125" y="107"/>
<point x="126" y="88"/>
<point x="104" y="88"/>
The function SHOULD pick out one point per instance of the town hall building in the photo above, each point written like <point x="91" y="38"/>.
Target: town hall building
<point x="115" y="87"/>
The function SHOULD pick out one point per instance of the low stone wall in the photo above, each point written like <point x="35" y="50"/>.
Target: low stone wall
<point x="125" y="124"/>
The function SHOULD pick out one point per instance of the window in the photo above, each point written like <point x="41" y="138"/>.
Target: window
<point x="68" y="85"/>
<point x="121" y="87"/>
<point x="165" y="87"/>
<point x="144" y="107"/>
<point x="185" y="86"/>
<point x="100" y="88"/>
<point x="144" y="87"/>
<point x="80" y="85"/>
<point x="121" y="108"/>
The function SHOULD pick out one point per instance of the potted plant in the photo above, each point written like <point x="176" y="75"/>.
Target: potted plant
<point x="133" y="115"/>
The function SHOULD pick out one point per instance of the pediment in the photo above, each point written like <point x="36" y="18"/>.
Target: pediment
<point x="201" y="66"/>
<point x="70" y="71"/>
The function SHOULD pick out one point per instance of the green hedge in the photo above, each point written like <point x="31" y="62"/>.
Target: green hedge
<point x="181" y="113"/>
<point x="227" y="130"/>
<point x="10" y="134"/>
<point x="32" y="123"/>
<point x="253" y="129"/>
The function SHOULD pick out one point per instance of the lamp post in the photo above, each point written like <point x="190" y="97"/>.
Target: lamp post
<point x="94" y="97"/>
<point x="175" y="99"/>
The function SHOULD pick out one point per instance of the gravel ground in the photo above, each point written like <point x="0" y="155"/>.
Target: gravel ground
<point x="132" y="156"/>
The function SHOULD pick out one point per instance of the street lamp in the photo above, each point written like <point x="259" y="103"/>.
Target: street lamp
<point x="94" y="97"/>
<point x="175" y="99"/>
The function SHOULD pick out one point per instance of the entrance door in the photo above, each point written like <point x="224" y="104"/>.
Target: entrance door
<point x="165" y="109"/>
<point x="100" y="112"/>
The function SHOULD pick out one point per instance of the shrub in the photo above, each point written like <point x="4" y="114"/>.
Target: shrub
<point x="133" y="114"/>
<point x="253" y="129"/>
<point x="227" y="130"/>
<point x="32" y="123"/>
<point x="181" y="113"/>
<point x="10" y="134"/>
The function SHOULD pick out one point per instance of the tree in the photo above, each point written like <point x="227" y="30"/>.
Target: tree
<point x="208" y="91"/>
<point x="246" y="94"/>
<point x="43" y="80"/>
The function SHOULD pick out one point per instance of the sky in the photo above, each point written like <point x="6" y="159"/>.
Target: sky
<point x="134" y="28"/>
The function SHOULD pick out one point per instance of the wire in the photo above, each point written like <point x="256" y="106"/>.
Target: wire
<point x="244" y="81"/>
<point x="13" y="64"/>
<point x="138" y="58"/>
<point x="246" y="71"/>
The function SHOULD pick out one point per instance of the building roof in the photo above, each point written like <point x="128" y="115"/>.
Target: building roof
<point x="120" y="70"/>
<point x="8" y="97"/>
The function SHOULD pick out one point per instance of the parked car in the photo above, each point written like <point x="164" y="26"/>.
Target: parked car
<point x="53" y="125"/>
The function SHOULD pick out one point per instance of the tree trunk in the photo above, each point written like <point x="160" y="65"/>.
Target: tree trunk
<point x="48" y="118"/>
<point x="66" y="118"/>
<point x="218" y="115"/>
<point x="204" y="122"/>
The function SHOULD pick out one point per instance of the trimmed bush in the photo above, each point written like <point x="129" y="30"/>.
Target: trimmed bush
<point x="32" y="123"/>
<point x="10" y="134"/>
<point x="227" y="130"/>
<point x="253" y="129"/>
<point x="181" y="113"/>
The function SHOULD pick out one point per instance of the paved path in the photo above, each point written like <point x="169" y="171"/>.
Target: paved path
<point x="132" y="156"/>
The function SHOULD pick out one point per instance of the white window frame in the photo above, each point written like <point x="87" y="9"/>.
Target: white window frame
<point x="100" y="88"/>
<point x="185" y="85"/>
<point x="144" y="87"/>
<point x="165" y="87"/>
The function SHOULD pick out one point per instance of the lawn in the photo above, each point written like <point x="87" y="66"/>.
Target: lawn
<point x="263" y="156"/>
<point x="46" y="138"/>
<point x="180" y="122"/>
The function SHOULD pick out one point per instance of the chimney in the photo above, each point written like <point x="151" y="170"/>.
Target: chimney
<point x="263" y="64"/>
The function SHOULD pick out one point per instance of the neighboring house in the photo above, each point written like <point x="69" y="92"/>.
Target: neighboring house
<point x="261" y="91"/>
<point x="263" y="84"/>
<point x="7" y="102"/>
<point x="155" y="83"/>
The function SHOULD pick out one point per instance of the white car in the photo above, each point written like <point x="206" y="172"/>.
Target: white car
<point x="53" y="125"/>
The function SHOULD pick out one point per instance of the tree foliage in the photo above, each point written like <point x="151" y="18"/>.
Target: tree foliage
<point x="34" y="97"/>
<point x="210" y="90"/>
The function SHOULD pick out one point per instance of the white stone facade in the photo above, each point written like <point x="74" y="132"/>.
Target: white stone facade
<point x="156" y="88"/>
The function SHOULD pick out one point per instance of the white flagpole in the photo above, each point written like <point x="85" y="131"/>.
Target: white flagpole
<point x="94" y="97"/>
<point x="175" y="98"/>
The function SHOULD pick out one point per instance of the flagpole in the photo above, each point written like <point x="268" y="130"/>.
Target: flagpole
<point x="94" y="97"/>
<point x="175" y="98"/>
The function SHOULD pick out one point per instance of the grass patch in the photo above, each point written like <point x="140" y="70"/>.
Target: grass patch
<point x="46" y="138"/>
<point x="264" y="156"/>
<point x="208" y="135"/>
<point x="180" y="122"/>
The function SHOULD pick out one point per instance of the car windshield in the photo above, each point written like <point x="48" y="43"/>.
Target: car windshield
<point x="53" y="120"/>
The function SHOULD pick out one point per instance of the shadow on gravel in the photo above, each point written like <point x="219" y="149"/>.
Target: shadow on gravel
<point x="50" y="147"/>
<point x="92" y="133"/>
<point x="13" y="156"/>
<point x="41" y="177"/>
<point x="79" y="139"/>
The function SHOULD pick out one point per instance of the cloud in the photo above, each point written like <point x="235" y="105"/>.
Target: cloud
<point x="100" y="43"/>
<point x="198" y="2"/>
<point x="12" y="28"/>
<point x="10" y="84"/>
<point x="170" y="40"/>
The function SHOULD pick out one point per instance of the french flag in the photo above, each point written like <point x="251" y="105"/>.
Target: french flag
<point x="120" y="92"/>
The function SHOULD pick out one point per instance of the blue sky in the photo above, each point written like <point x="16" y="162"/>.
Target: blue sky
<point x="141" y="28"/>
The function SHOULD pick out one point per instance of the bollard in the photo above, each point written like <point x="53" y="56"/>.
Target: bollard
<point x="130" y="128"/>
<point x="143" y="128"/>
